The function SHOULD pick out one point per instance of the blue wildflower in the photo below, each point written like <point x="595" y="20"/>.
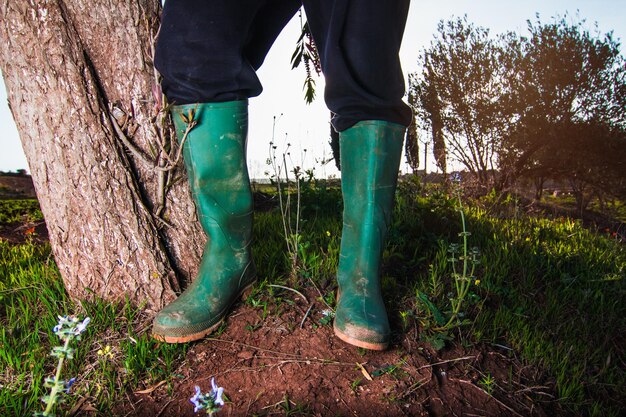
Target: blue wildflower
<point x="68" y="329"/>
<point x="59" y="326"/>
<point x="195" y="400"/>
<point x="80" y="328"/>
<point x="68" y="384"/>
<point x="211" y="401"/>
<point x="217" y="392"/>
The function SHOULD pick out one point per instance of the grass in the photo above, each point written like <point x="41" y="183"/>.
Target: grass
<point x="550" y="289"/>
<point x="31" y="297"/>
<point x="613" y="208"/>
<point x="23" y="210"/>
<point x="557" y="295"/>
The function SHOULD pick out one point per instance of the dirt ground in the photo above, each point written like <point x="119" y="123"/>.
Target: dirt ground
<point x="16" y="186"/>
<point x="275" y="366"/>
<point x="19" y="233"/>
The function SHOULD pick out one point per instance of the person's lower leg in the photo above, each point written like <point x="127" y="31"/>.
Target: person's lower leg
<point x="207" y="54"/>
<point x="214" y="151"/>
<point x="370" y="159"/>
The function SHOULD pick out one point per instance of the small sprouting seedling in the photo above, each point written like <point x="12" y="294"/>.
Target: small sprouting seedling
<point x="259" y="303"/>
<point x="68" y="329"/>
<point x="254" y="327"/>
<point x="355" y="384"/>
<point x="389" y="369"/>
<point x="405" y="315"/>
<point x="210" y="402"/>
<point x="488" y="383"/>
<point x="393" y="370"/>
<point x="291" y="408"/>
<point x="220" y="330"/>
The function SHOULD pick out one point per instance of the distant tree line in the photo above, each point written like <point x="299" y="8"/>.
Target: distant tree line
<point x="548" y="105"/>
<point x="17" y="173"/>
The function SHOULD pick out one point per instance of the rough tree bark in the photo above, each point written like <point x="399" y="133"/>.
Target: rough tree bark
<point x="119" y="226"/>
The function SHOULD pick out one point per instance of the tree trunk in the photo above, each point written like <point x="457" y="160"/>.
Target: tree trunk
<point x="539" y="181"/>
<point x="582" y="193"/>
<point x="119" y="226"/>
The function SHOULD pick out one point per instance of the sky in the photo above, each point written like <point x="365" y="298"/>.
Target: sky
<point x="307" y="126"/>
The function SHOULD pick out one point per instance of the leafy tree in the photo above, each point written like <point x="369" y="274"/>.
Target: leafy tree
<point x="548" y="105"/>
<point x="568" y="94"/>
<point x="457" y="96"/>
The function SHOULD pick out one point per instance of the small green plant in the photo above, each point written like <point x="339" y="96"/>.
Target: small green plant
<point x="405" y="316"/>
<point x="463" y="261"/>
<point x="254" y="327"/>
<point x="327" y="317"/>
<point x="355" y="384"/>
<point x="68" y="330"/>
<point x="291" y="408"/>
<point x="394" y="370"/>
<point x="286" y="189"/>
<point x="488" y="382"/>
<point x="259" y="303"/>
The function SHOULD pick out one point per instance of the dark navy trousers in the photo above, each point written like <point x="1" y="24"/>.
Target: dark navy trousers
<point x="209" y="51"/>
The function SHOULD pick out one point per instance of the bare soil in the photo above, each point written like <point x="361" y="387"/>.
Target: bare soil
<point x="16" y="186"/>
<point x="21" y="232"/>
<point x="275" y="366"/>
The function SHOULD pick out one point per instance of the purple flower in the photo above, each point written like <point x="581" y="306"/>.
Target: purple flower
<point x="81" y="326"/>
<point x="59" y="326"/>
<point x="211" y="401"/>
<point x="196" y="400"/>
<point x="217" y="393"/>
<point x="69" y="384"/>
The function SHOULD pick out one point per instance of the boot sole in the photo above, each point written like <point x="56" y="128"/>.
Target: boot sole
<point x="360" y="343"/>
<point x="243" y="294"/>
<point x="356" y="342"/>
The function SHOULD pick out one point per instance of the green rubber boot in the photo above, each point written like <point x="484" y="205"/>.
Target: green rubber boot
<point x="215" y="158"/>
<point x="370" y="159"/>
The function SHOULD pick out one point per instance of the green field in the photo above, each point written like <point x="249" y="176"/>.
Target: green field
<point x="547" y="288"/>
